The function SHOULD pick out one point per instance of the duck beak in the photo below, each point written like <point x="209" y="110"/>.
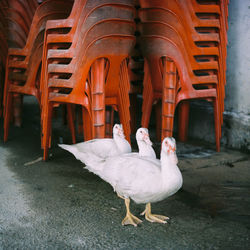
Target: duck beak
<point x="121" y="133"/>
<point x="172" y="153"/>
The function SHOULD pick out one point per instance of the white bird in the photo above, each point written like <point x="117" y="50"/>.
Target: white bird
<point x="100" y="148"/>
<point x="141" y="179"/>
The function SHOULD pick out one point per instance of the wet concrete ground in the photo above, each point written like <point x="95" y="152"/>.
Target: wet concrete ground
<point x="60" y="205"/>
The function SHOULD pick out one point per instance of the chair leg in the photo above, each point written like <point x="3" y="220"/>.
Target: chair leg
<point x="87" y="125"/>
<point x="168" y="97"/>
<point x="147" y="98"/>
<point x="109" y="122"/>
<point x="123" y="100"/>
<point x="146" y="109"/>
<point x="125" y="119"/>
<point x="98" y="97"/>
<point x="71" y="122"/>
<point x="183" y="120"/>
<point x="7" y="115"/>
<point x="1" y="90"/>
<point x="217" y="125"/>
<point x="17" y="109"/>
<point x="79" y="120"/>
<point x="46" y="130"/>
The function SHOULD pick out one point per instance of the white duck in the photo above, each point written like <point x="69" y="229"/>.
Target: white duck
<point x="87" y="152"/>
<point x="101" y="148"/>
<point x="142" y="179"/>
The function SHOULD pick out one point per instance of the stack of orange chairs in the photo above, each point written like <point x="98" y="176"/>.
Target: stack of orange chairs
<point x="23" y="65"/>
<point x="15" y="20"/>
<point x="184" y="46"/>
<point x="85" y="62"/>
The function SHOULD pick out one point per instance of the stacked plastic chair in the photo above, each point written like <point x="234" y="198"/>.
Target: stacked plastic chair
<point x="23" y="65"/>
<point x="15" y="20"/>
<point x="87" y="65"/>
<point x="184" y="46"/>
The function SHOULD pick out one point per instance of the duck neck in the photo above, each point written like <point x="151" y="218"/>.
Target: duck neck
<point x="145" y="149"/>
<point x="121" y="143"/>
<point x="168" y="163"/>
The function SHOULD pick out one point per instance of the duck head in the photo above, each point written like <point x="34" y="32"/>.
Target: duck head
<point x="143" y="135"/>
<point x="118" y="131"/>
<point x="169" y="148"/>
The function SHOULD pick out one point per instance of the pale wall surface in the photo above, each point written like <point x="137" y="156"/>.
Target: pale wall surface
<point x="237" y="102"/>
<point x="238" y="60"/>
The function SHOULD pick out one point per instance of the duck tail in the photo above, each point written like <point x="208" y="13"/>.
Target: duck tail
<point x="93" y="162"/>
<point x="73" y="150"/>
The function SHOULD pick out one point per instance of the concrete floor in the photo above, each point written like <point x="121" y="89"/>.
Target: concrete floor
<point x="60" y="205"/>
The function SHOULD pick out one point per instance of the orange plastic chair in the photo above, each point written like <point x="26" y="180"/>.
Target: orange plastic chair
<point x="69" y="25"/>
<point x="15" y="20"/>
<point x="200" y="18"/>
<point x="170" y="18"/>
<point x="18" y="15"/>
<point x="22" y="67"/>
<point x="206" y="67"/>
<point x="180" y="8"/>
<point x="156" y="46"/>
<point x="115" y="49"/>
<point x="206" y="12"/>
<point x="112" y="19"/>
<point x="188" y="34"/>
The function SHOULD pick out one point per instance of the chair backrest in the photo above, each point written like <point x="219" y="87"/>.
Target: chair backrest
<point x="99" y="30"/>
<point x="95" y="11"/>
<point x="16" y="17"/>
<point x="157" y="47"/>
<point x="44" y="12"/>
<point x="114" y="48"/>
<point x="160" y="29"/>
<point x="168" y="17"/>
<point x="181" y="12"/>
<point x="92" y="25"/>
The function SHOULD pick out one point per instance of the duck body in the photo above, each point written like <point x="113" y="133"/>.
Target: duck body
<point x="137" y="176"/>
<point x="100" y="148"/>
<point x="142" y="180"/>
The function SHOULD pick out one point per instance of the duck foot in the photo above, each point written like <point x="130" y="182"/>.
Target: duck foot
<point x="130" y="219"/>
<point x="154" y="217"/>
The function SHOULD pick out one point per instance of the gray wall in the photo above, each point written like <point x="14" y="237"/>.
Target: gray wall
<point x="236" y="128"/>
<point x="238" y="60"/>
<point x="237" y="102"/>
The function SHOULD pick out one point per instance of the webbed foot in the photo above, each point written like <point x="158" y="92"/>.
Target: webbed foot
<point x="154" y="217"/>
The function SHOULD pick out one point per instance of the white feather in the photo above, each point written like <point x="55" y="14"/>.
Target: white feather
<point x="100" y="148"/>
<point x="144" y="143"/>
<point x="142" y="179"/>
